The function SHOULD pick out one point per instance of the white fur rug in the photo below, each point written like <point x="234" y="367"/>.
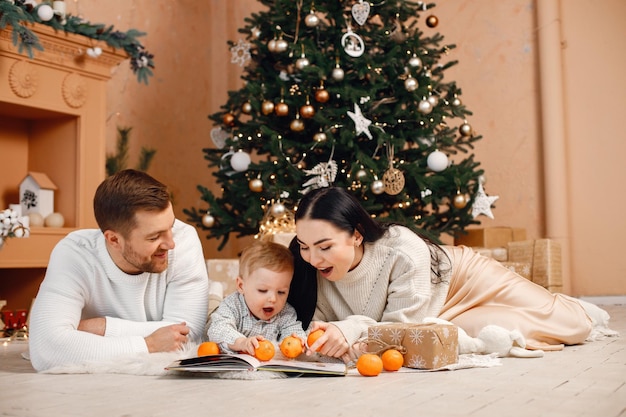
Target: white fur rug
<point x="154" y="364"/>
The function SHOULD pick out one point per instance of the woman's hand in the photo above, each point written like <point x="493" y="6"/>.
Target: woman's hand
<point x="331" y="343"/>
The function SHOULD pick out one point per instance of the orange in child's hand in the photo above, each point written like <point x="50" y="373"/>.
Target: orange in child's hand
<point x="291" y="346"/>
<point x="369" y="364"/>
<point x="313" y="336"/>
<point x="392" y="360"/>
<point x="208" y="348"/>
<point x="265" y="351"/>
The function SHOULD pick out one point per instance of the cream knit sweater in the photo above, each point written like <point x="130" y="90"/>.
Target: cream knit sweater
<point x="83" y="282"/>
<point x="392" y="283"/>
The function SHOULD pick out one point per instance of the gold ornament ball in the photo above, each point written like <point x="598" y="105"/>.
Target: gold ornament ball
<point x="302" y="63"/>
<point x="267" y="107"/>
<point x="320" y="137"/>
<point x="281" y="109"/>
<point x="228" y="119"/>
<point x="297" y="125"/>
<point x="271" y="45"/>
<point x="432" y="21"/>
<point x="255" y="185"/>
<point x="208" y="220"/>
<point x="459" y="201"/>
<point x="361" y="174"/>
<point x="465" y="129"/>
<point x="281" y="45"/>
<point x="246" y="107"/>
<point x="322" y="96"/>
<point x="307" y="111"/>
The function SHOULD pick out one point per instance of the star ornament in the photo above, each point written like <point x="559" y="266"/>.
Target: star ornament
<point x="482" y="203"/>
<point x="361" y="124"/>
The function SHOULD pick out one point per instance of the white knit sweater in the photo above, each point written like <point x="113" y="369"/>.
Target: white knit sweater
<point x="392" y="283"/>
<point x="83" y="282"/>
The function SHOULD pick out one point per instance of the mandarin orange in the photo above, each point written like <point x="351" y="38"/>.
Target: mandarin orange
<point x="392" y="360"/>
<point x="369" y="364"/>
<point x="265" y="351"/>
<point x="291" y="346"/>
<point x="208" y="348"/>
<point x="313" y="336"/>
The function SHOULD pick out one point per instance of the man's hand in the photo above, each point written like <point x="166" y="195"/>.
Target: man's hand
<point x="168" y="338"/>
<point x="96" y="325"/>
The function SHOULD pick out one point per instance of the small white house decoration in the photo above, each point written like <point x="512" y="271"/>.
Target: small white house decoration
<point x="37" y="194"/>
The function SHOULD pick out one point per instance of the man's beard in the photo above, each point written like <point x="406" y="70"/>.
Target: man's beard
<point x="152" y="265"/>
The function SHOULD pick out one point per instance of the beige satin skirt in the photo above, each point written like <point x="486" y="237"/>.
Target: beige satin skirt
<point x="483" y="292"/>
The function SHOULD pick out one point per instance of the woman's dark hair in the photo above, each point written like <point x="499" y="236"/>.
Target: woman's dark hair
<point x="340" y="208"/>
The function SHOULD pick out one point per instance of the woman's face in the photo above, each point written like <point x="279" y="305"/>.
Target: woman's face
<point x="332" y="251"/>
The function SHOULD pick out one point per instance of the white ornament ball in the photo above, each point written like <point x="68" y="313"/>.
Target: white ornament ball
<point x="278" y="209"/>
<point x="208" y="220"/>
<point x="54" y="220"/>
<point x="302" y="63"/>
<point x="240" y="161"/>
<point x="281" y="45"/>
<point x="35" y="220"/>
<point x="45" y="12"/>
<point x="361" y="174"/>
<point x="433" y="100"/>
<point x="311" y="20"/>
<point x="424" y="107"/>
<point x="378" y="187"/>
<point x="415" y="62"/>
<point x="437" y="161"/>
<point x="411" y="84"/>
<point x="338" y="74"/>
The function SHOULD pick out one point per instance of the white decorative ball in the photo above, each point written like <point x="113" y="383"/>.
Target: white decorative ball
<point x="424" y="107"/>
<point x="240" y="161"/>
<point x="35" y="220"/>
<point x="378" y="187"/>
<point x="411" y="84"/>
<point x="208" y="220"/>
<point x="415" y="62"/>
<point x="54" y="220"/>
<point x="278" y="209"/>
<point x="437" y="161"/>
<point x="45" y="12"/>
<point x="433" y="100"/>
<point x="311" y="20"/>
<point x="338" y="74"/>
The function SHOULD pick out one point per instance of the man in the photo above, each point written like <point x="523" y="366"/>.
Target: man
<point x="138" y="284"/>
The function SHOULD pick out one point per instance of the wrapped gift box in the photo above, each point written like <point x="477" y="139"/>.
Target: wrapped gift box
<point x="544" y="256"/>
<point x="224" y="271"/>
<point x="490" y="237"/>
<point x="428" y="346"/>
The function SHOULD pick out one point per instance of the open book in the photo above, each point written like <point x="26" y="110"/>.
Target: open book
<point x="244" y="362"/>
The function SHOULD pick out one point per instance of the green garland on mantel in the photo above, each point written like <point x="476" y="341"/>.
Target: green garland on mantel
<point x="18" y="13"/>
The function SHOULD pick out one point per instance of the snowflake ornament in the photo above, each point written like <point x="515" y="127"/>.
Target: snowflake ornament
<point x="482" y="203"/>
<point x="240" y="53"/>
<point x="360" y="122"/>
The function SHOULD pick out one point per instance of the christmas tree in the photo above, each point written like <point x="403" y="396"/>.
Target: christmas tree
<point x="345" y="93"/>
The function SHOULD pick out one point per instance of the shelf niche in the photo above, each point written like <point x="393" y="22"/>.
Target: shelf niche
<point x="52" y="120"/>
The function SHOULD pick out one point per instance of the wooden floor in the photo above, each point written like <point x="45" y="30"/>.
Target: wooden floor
<point x="585" y="380"/>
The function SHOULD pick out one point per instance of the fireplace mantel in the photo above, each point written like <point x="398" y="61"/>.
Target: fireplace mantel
<point x="52" y="120"/>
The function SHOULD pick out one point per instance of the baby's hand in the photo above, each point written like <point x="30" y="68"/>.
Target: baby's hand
<point x="247" y="344"/>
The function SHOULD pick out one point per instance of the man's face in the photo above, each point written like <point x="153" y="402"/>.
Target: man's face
<point x="147" y="246"/>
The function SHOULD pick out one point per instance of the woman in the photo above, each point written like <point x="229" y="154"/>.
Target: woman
<point x="352" y="272"/>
